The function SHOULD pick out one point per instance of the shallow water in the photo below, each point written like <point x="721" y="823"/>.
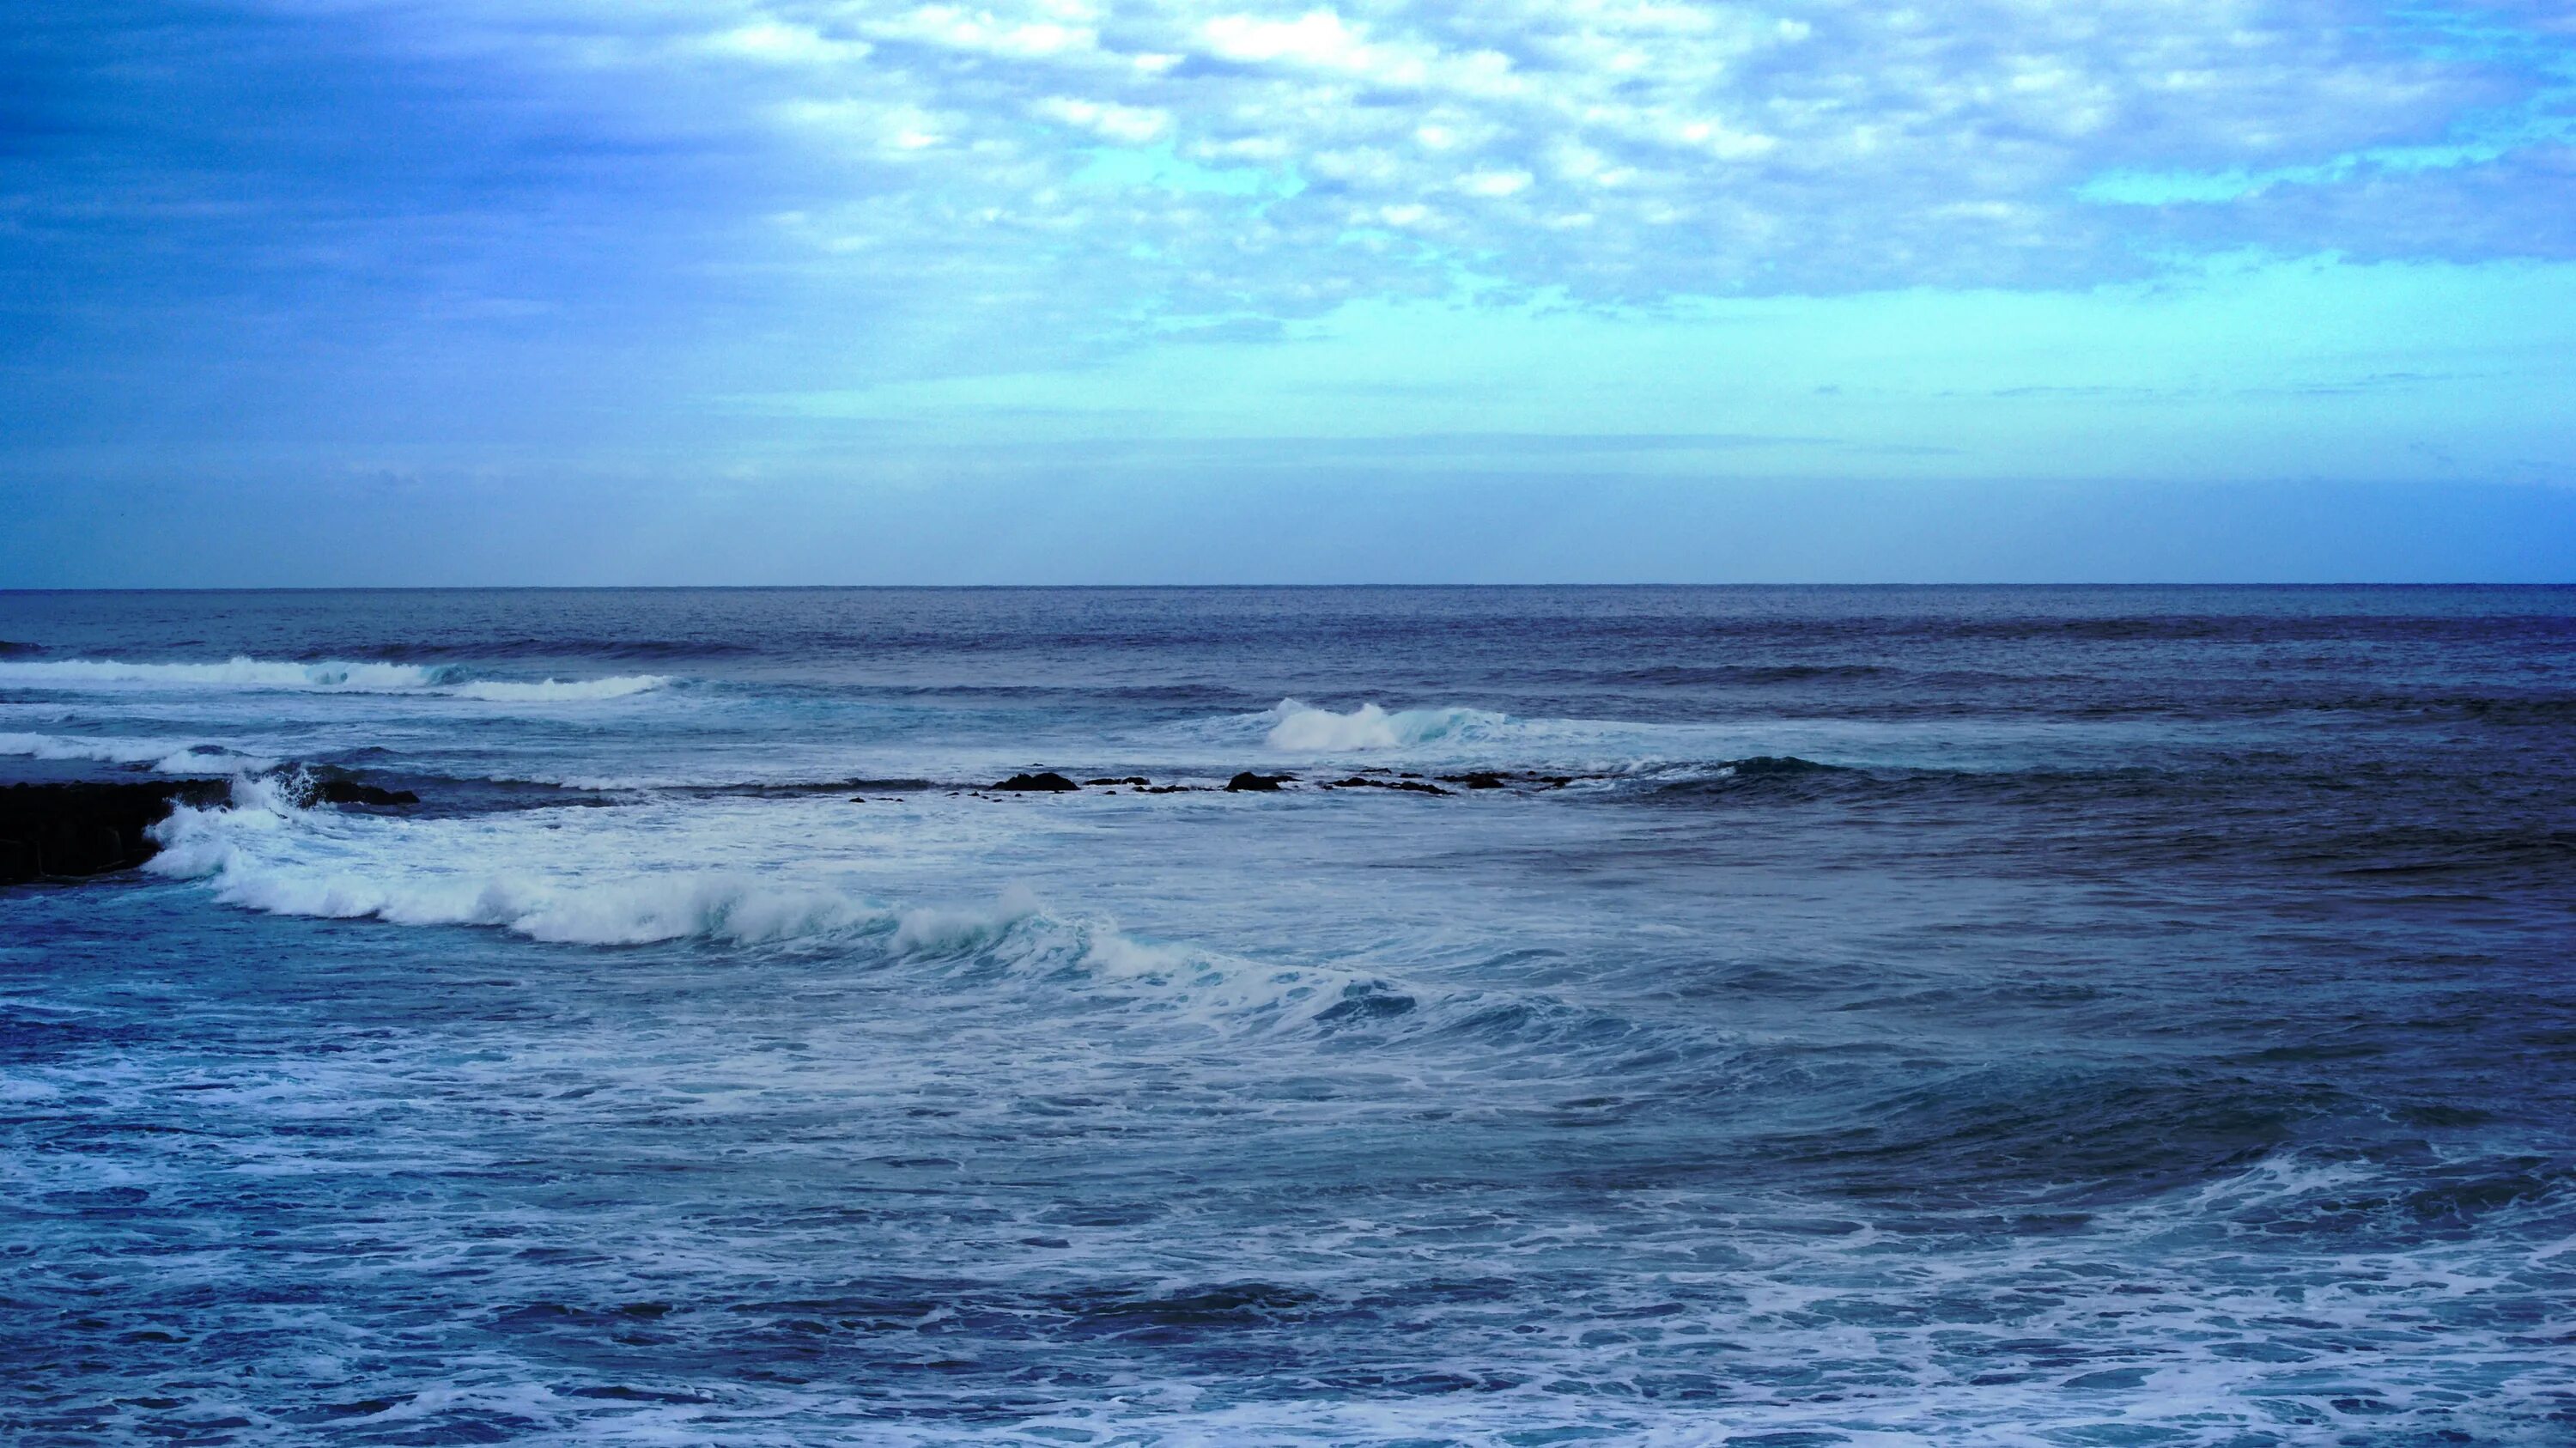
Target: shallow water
<point x="1978" y="1016"/>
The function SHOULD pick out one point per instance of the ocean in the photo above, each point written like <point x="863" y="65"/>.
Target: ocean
<point x="2135" y="1016"/>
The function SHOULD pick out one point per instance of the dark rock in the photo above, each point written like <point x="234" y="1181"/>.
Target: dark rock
<point x="1414" y="786"/>
<point x="85" y="829"/>
<point x="1505" y="779"/>
<point x="1166" y="789"/>
<point x="9" y="650"/>
<point x="1048" y="783"/>
<point x="1770" y="764"/>
<point x="1251" y="781"/>
<point x="1131" y="779"/>
<point x="101" y="847"/>
<point x="349" y="791"/>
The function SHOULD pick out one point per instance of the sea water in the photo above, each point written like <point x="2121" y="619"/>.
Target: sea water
<point x="2028" y="1016"/>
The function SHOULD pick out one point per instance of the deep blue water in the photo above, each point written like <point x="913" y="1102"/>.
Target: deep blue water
<point x="2015" y="1016"/>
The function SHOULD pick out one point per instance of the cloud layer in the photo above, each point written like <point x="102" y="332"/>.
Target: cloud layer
<point x="1087" y="165"/>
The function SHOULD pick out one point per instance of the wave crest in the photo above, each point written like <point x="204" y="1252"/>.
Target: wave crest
<point x="329" y="676"/>
<point x="559" y="690"/>
<point x="239" y="672"/>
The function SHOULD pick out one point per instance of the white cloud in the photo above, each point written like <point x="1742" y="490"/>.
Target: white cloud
<point x="1035" y="32"/>
<point x="1495" y="183"/>
<point x="1134" y="125"/>
<point x="1317" y="38"/>
<point x="782" y="44"/>
<point x="888" y="128"/>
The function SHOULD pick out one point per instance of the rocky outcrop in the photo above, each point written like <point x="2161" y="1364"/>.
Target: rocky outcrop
<point x="71" y="830"/>
<point x="1248" y="780"/>
<point x="1047" y="783"/>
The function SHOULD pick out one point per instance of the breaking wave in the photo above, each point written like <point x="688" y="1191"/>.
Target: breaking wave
<point x="268" y="851"/>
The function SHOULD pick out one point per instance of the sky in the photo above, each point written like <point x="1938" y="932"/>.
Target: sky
<point x="322" y="292"/>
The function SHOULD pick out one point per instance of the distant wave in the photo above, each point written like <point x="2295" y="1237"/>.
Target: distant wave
<point x="330" y="676"/>
<point x="233" y="673"/>
<point x="1300" y="728"/>
<point x="169" y="756"/>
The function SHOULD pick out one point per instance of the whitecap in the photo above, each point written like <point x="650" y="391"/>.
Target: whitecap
<point x="329" y="676"/>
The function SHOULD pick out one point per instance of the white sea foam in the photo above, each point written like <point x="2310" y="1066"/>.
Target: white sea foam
<point x="330" y="676"/>
<point x="1300" y="728"/>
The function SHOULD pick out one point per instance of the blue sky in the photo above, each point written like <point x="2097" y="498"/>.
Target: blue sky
<point x="474" y="291"/>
